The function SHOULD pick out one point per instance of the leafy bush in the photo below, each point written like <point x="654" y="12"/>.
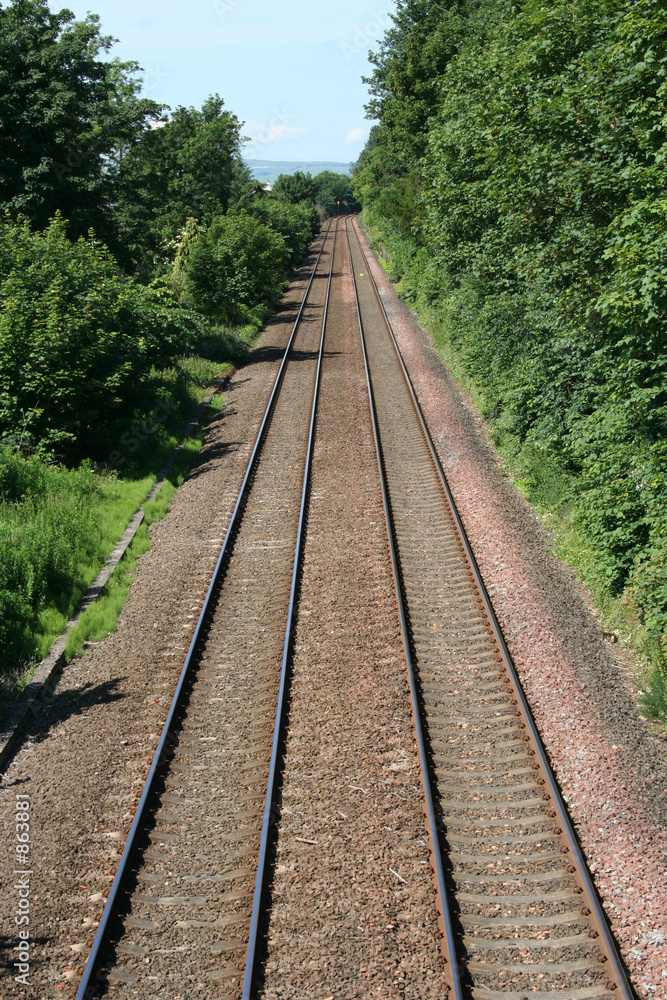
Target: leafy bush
<point x="297" y="223"/>
<point x="331" y="191"/>
<point x="295" y="187"/>
<point x="76" y="338"/>
<point x="236" y="264"/>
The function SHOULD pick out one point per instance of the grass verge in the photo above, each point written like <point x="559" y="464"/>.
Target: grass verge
<point x="58" y="525"/>
<point x="98" y="621"/>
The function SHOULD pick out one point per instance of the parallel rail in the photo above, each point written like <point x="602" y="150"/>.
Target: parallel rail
<point x="460" y="978"/>
<point x="268" y="822"/>
<point x="485" y="772"/>
<point x="142" y="815"/>
<point x="452" y="970"/>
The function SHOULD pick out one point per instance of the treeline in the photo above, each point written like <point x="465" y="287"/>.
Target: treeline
<point x="516" y="180"/>
<point x="331" y="192"/>
<point x="128" y="234"/>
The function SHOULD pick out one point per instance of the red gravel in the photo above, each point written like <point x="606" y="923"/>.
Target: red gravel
<point x="611" y="768"/>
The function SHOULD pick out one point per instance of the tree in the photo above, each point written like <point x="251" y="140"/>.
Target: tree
<point x="406" y="88"/>
<point x="334" y="193"/>
<point x="405" y="84"/>
<point x="331" y="191"/>
<point x="65" y="116"/>
<point x="517" y="182"/>
<point x="237" y="264"/>
<point x="188" y="166"/>
<point x="295" y="187"/>
<point x="297" y="224"/>
<point x="77" y="339"/>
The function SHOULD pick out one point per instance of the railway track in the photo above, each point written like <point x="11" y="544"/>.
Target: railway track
<point x="519" y="914"/>
<point x="190" y="865"/>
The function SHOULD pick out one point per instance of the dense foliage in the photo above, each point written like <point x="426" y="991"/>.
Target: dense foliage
<point x="296" y="223"/>
<point x="128" y="231"/>
<point x="236" y="263"/>
<point x="188" y="166"/>
<point x="517" y="180"/>
<point x="65" y="116"/>
<point x="77" y="338"/>
<point x="128" y="234"/>
<point x="47" y="520"/>
<point x="330" y="191"/>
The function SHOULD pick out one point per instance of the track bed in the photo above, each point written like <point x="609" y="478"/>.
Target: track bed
<point x="350" y="797"/>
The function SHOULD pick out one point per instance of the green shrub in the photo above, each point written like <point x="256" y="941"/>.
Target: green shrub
<point x="330" y="190"/>
<point x="517" y="179"/>
<point x="236" y="264"/>
<point x="295" y="188"/>
<point x="77" y="340"/>
<point x="298" y="224"/>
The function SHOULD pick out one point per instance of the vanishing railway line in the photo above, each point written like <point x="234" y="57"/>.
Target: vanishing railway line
<point x="519" y="910"/>
<point x="202" y="821"/>
<point x="519" y="913"/>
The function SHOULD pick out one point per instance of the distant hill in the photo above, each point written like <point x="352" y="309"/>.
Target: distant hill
<point x="268" y="170"/>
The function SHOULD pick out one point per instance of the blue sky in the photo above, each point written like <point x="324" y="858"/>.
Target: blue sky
<point x="291" y="70"/>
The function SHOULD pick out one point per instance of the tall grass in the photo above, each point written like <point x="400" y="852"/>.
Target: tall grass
<point x="100" y="618"/>
<point x="58" y="524"/>
<point x="49" y="524"/>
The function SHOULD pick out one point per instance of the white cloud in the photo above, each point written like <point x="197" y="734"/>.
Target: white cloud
<point x="355" y="135"/>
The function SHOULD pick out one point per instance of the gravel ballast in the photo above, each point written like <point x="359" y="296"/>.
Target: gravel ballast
<point x="611" y="768"/>
<point x="358" y="846"/>
<point x="353" y="903"/>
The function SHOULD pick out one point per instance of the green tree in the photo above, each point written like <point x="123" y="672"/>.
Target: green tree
<point x="297" y="224"/>
<point x="65" y="116"/>
<point x="334" y="193"/>
<point x="405" y="84"/>
<point x="188" y="166"/>
<point x="406" y="89"/>
<point x="77" y="339"/>
<point x="518" y="179"/>
<point x="295" y="187"/>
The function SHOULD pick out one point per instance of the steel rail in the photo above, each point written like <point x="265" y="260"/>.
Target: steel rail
<point x="567" y="830"/>
<point x="109" y="909"/>
<point x="452" y="971"/>
<point x="251" y="955"/>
